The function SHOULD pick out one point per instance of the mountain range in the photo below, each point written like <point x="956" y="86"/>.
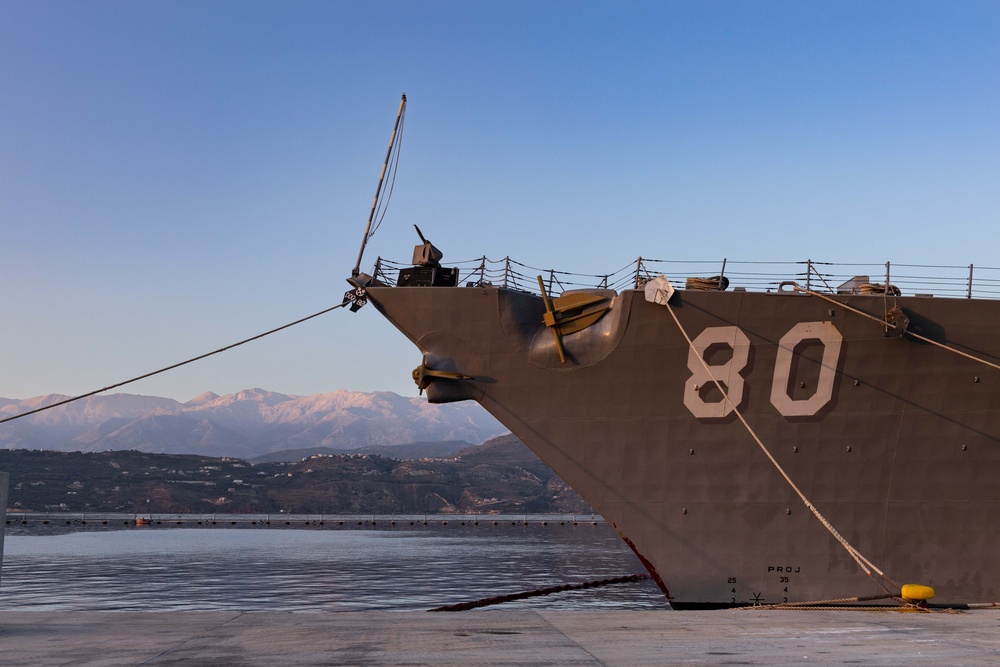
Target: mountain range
<point x="247" y="424"/>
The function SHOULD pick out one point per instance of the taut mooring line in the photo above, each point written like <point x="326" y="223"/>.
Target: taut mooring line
<point x="173" y="366"/>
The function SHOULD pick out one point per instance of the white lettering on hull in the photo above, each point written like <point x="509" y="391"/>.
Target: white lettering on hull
<point x="730" y="373"/>
<point x="832" y="340"/>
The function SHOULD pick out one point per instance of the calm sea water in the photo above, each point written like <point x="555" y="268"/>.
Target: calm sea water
<point x="288" y="569"/>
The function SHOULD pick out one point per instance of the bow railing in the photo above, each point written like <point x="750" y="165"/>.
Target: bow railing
<point x="954" y="281"/>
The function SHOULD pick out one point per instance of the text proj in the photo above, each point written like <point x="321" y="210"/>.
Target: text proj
<point x="730" y="373"/>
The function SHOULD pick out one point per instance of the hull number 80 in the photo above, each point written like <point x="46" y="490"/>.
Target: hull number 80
<point x="730" y="373"/>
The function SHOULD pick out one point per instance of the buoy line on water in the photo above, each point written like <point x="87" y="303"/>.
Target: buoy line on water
<point x="173" y="366"/>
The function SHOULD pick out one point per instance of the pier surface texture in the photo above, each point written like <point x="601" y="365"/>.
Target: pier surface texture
<point x="500" y="638"/>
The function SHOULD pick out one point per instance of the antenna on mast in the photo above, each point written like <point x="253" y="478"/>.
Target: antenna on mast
<point x="378" y="191"/>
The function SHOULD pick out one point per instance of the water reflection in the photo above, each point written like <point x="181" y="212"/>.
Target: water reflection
<point x="307" y="570"/>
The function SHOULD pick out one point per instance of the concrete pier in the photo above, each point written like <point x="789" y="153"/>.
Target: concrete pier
<point x="594" y="638"/>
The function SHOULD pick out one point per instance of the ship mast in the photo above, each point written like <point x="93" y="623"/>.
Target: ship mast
<point x="378" y="190"/>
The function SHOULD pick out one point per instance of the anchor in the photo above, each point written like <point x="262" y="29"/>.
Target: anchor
<point x="570" y="313"/>
<point x="423" y="375"/>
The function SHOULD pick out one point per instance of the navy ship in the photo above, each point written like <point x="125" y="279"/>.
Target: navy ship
<point x="754" y="440"/>
<point x="819" y="436"/>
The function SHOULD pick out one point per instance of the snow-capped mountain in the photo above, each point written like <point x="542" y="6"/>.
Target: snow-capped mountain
<point x="249" y="423"/>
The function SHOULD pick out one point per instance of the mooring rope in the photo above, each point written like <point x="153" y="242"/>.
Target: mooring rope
<point x="836" y="607"/>
<point x="886" y="323"/>
<point x="844" y="604"/>
<point x="172" y="366"/>
<point x="814" y="604"/>
<point x="864" y="563"/>
<point x="500" y="599"/>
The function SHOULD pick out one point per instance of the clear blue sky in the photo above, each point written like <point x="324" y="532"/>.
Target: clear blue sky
<point x="176" y="176"/>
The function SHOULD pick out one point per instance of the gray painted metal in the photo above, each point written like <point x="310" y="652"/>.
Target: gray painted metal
<point x="902" y="458"/>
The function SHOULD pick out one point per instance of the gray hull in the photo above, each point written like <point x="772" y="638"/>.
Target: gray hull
<point x="896" y="442"/>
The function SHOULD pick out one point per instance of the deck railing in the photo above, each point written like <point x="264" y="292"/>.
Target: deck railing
<point x="955" y="281"/>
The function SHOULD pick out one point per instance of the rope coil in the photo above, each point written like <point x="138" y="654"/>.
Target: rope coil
<point x="879" y="288"/>
<point x="713" y="284"/>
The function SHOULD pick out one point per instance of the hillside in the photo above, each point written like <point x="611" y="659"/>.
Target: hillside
<point x="500" y="476"/>
<point x="409" y="450"/>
